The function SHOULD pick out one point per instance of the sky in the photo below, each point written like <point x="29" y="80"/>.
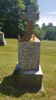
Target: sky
<point x="47" y="10"/>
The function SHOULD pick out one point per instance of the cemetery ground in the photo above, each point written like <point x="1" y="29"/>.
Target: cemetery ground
<point x="8" y="60"/>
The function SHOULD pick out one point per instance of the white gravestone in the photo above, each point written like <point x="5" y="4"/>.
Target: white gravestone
<point x="2" y="39"/>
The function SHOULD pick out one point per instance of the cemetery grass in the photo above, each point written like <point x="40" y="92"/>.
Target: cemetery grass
<point x="8" y="60"/>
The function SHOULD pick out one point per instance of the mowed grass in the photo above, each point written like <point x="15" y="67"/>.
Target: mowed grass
<point x="8" y="61"/>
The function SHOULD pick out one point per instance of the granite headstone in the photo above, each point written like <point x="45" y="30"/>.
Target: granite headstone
<point x="28" y="73"/>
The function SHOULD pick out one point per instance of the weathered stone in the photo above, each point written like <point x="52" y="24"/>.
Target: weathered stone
<point x="28" y="73"/>
<point x="29" y="55"/>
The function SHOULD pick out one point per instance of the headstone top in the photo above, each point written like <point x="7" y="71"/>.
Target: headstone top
<point x="32" y="38"/>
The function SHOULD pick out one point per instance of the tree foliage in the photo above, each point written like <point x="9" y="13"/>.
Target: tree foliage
<point x="12" y="14"/>
<point x="9" y="15"/>
<point x="48" y="32"/>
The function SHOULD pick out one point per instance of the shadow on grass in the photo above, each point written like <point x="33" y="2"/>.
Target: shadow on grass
<point x="9" y="88"/>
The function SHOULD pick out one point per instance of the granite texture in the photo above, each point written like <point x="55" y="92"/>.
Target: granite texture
<point x="29" y="55"/>
<point x="28" y="73"/>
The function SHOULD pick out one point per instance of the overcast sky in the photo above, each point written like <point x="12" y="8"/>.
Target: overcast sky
<point x="47" y="11"/>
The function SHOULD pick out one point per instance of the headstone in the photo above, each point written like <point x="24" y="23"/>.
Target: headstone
<point x="29" y="54"/>
<point x="28" y="73"/>
<point x="2" y="39"/>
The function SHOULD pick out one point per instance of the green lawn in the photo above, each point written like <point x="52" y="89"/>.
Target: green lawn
<point x="8" y="60"/>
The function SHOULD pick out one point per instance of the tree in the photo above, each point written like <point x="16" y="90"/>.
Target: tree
<point x="13" y="15"/>
<point x="38" y="30"/>
<point x="29" y="15"/>
<point x="48" y="32"/>
<point x="9" y="16"/>
<point x="43" y="30"/>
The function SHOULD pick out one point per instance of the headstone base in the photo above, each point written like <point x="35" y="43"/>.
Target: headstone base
<point x="29" y="79"/>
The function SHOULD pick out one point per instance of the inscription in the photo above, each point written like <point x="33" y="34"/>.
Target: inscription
<point x="29" y="55"/>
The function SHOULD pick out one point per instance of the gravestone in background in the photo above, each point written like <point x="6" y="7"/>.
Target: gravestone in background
<point x="28" y="73"/>
<point x="2" y="39"/>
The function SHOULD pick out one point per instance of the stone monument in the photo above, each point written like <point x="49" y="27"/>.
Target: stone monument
<point x="28" y="73"/>
<point x="2" y="39"/>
